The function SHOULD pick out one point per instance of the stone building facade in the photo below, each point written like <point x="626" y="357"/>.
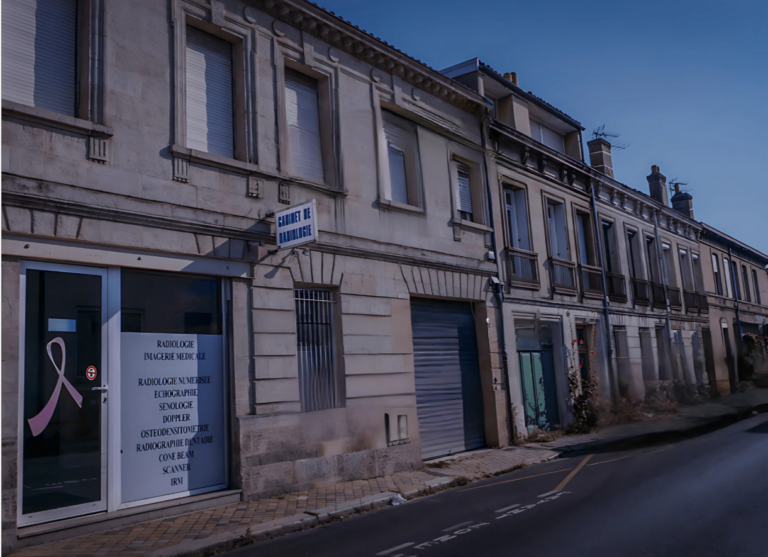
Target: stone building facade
<point x="162" y="353"/>
<point x="736" y="284"/>
<point x="578" y="250"/>
<point x="139" y="220"/>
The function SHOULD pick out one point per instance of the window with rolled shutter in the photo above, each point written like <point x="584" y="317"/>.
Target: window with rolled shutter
<point x="396" y="145"/>
<point x="210" y="114"/>
<point x="39" y="54"/>
<point x="465" y="193"/>
<point x="302" y="113"/>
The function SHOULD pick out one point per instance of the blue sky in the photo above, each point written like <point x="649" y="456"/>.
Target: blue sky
<point x="685" y="83"/>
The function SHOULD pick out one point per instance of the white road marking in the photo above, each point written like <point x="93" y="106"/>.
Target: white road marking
<point x="547" y="494"/>
<point x="458" y="526"/>
<point x="392" y="550"/>
<point x="510" y="507"/>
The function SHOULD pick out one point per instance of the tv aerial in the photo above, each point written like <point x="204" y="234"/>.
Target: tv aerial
<point x="599" y="132"/>
<point x="674" y="186"/>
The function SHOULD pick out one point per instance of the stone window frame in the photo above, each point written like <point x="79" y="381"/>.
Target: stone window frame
<point x="415" y="180"/>
<point x="288" y="55"/>
<point x="510" y="184"/>
<point x="474" y="159"/>
<point x="546" y="198"/>
<point x="91" y="72"/>
<point x="240" y="35"/>
<point x="674" y="275"/>
<point x="644" y="270"/>
<point x="591" y="242"/>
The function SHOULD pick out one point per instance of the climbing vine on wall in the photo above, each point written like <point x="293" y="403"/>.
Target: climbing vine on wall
<point x="583" y="387"/>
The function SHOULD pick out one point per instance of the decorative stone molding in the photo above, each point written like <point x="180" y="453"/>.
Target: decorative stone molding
<point x="181" y="169"/>
<point x="97" y="149"/>
<point x="434" y="282"/>
<point x="255" y="187"/>
<point x="339" y="34"/>
<point x="284" y="193"/>
<point x="526" y="156"/>
<point x="543" y="163"/>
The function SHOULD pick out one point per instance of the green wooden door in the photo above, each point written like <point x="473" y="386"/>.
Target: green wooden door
<point x="538" y="385"/>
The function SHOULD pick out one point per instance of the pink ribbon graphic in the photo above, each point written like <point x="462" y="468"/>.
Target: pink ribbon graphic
<point x="40" y="422"/>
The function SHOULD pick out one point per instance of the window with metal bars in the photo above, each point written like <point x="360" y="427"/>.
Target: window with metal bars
<point x="315" y="349"/>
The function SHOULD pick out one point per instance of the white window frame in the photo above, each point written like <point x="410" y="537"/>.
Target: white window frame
<point x="554" y="239"/>
<point x="540" y="128"/>
<point x="398" y="132"/>
<point x="473" y="161"/>
<point x="728" y="282"/>
<point x="512" y="214"/>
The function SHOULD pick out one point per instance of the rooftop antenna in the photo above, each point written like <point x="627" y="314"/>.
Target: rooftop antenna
<point x="674" y="186"/>
<point x="599" y="132"/>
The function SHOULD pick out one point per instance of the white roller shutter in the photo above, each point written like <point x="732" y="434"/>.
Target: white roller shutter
<point x="210" y="118"/>
<point x="465" y="193"/>
<point x="39" y="54"/>
<point x="301" y="108"/>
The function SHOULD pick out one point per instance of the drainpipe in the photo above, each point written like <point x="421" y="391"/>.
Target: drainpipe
<point x="665" y="280"/>
<point x="738" y="319"/>
<point x="606" y="311"/>
<point x="499" y="288"/>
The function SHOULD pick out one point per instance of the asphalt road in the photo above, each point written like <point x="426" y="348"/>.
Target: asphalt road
<point x="699" y="497"/>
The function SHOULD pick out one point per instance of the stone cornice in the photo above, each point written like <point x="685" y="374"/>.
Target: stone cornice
<point x="262" y="231"/>
<point x="366" y="249"/>
<point x="340" y="34"/>
<point x="608" y="191"/>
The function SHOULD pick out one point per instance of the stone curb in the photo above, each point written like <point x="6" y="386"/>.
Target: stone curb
<point x="704" y="426"/>
<point x="241" y="537"/>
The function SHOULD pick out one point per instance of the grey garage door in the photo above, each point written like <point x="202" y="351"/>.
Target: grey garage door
<point x="448" y="393"/>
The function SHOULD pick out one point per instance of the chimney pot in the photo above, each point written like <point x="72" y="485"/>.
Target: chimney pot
<point x="654" y="169"/>
<point x="511" y="76"/>
<point x="600" y="156"/>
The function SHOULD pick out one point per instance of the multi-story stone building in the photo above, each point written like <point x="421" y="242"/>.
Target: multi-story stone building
<point x="159" y="352"/>
<point x="578" y="250"/>
<point x="162" y="349"/>
<point x="737" y="290"/>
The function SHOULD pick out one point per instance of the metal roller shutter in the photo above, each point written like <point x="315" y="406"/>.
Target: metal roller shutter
<point x="210" y="116"/>
<point x="39" y="53"/>
<point x="301" y="108"/>
<point x="448" y="391"/>
<point x="465" y="193"/>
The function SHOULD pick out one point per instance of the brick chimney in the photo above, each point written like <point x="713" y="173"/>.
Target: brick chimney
<point x="511" y="76"/>
<point x="600" y="156"/>
<point x="682" y="202"/>
<point x="657" y="183"/>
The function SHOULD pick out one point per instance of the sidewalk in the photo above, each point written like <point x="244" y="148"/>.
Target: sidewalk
<point x="687" y="422"/>
<point x="219" y="529"/>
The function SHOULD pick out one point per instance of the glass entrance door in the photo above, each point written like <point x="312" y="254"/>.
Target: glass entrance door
<point x="63" y="456"/>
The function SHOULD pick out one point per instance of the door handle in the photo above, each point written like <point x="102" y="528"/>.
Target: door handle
<point x="105" y="388"/>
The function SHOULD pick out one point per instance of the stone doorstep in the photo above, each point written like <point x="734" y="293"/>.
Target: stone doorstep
<point x="240" y="537"/>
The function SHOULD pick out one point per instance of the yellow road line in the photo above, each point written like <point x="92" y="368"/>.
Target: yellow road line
<point x="516" y="479"/>
<point x="575" y="471"/>
<point x="631" y="456"/>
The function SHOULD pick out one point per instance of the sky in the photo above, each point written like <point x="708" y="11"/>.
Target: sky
<point x="684" y="83"/>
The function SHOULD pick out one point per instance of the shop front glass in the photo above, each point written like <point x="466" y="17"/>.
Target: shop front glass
<point x="167" y="382"/>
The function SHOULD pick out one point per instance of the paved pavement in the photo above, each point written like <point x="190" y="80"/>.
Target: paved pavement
<point x="245" y="522"/>
<point x="704" y="496"/>
<point x="191" y="531"/>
